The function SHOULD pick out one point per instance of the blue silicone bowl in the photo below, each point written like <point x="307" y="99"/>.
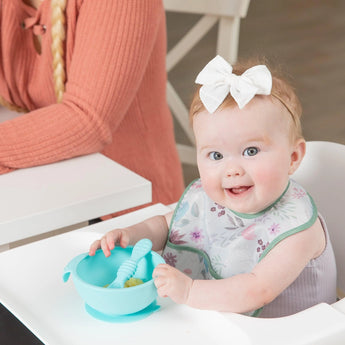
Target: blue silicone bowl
<point x="91" y="273"/>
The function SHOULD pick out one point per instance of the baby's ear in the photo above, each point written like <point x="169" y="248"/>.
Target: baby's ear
<point x="297" y="154"/>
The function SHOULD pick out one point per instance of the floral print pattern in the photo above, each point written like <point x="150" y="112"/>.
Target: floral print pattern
<point x="298" y="193"/>
<point x="176" y="238"/>
<point x="274" y="229"/>
<point x="170" y="259"/>
<point x="196" y="235"/>
<point x="215" y="239"/>
<point x="219" y="209"/>
<point x="261" y="247"/>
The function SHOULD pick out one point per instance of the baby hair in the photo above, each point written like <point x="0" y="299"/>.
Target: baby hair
<point x="281" y="90"/>
<point x="58" y="8"/>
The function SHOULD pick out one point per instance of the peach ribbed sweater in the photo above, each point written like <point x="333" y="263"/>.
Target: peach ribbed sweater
<point x="114" y="102"/>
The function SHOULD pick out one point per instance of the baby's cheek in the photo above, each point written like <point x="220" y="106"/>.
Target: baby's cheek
<point x="270" y="169"/>
<point x="264" y="175"/>
<point x="272" y="181"/>
<point x="211" y="188"/>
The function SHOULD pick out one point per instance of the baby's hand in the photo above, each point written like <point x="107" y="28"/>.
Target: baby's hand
<point x="172" y="283"/>
<point x="108" y="241"/>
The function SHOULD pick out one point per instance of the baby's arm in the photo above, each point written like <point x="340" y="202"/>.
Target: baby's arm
<point x="156" y="229"/>
<point x="246" y="292"/>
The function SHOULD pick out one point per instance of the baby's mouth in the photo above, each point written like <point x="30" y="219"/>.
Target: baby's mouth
<point x="238" y="190"/>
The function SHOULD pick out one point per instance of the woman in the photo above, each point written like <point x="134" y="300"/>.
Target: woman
<point x="90" y="77"/>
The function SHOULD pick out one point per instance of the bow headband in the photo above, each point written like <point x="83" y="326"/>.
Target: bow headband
<point x="218" y="81"/>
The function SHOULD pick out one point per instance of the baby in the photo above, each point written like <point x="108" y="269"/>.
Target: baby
<point x="244" y="237"/>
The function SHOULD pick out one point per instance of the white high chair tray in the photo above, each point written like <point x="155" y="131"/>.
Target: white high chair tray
<point x="32" y="289"/>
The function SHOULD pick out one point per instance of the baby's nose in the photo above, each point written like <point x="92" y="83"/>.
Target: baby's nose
<point x="233" y="170"/>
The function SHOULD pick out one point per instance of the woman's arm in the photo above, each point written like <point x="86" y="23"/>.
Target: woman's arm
<point x="113" y="44"/>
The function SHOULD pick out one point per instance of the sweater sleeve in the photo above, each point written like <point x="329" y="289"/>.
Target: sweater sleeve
<point x="113" y="43"/>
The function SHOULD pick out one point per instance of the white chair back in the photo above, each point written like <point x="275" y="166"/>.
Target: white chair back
<point x="322" y="173"/>
<point x="227" y="14"/>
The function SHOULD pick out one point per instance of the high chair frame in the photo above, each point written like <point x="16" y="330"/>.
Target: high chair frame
<point x="321" y="173"/>
<point x="228" y="14"/>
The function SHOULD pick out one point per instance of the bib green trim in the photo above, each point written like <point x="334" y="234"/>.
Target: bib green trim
<point x="178" y="205"/>
<point x="213" y="273"/>
<point x="293" y="231"/>
<point x="257" y="312"/>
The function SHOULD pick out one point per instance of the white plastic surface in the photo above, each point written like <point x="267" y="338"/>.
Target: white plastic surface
<point x="340" y="305"/>
<point x="31" y="287"/>
<point x="41" y="199"/>
<point x="322" y="174"/>
<point x="319" y="325"/>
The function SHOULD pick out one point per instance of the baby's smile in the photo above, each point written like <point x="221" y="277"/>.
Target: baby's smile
<point x="238" y="190"/>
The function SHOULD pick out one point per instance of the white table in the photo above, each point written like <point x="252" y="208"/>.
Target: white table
<point x="40" y="199"/>
<point x="37" y="200"/>
<point x="6" y="114"/>
<point x="31" y="287"/>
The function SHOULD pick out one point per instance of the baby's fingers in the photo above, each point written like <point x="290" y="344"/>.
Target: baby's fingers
<point x="108" y="241"/>
<point x="160" y="283"/>
<point x="107" y="245"/>
<point x="94" y="246"/>
<point x="160" y="270"/>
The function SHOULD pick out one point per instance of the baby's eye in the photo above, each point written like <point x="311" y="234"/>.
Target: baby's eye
<point x="216" y="156"/>
<point x="250" y="151"/>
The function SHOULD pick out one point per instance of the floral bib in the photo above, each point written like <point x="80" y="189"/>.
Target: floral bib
<point x="209" y="241"/>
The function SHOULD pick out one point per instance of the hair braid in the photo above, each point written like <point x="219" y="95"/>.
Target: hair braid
<point x="58" y="36"/>
<point x="11" y="106"/>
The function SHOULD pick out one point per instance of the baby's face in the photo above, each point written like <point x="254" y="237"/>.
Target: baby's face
<point x="244" y="156"/>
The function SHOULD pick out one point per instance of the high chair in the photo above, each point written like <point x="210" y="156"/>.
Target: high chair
<point x="322" y="174"/>
<point x="32" y="289"/>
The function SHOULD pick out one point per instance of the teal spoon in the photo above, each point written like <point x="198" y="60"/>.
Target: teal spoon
<point x="128" y="267"/>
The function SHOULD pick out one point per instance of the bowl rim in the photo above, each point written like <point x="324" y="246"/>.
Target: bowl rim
<point x="76" y="277"/>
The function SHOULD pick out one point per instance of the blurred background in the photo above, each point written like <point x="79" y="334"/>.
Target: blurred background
<point x="307" y="38"/>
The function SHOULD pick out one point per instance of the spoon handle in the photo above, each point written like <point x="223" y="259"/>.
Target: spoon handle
<point x="141" y="248"/>
<point x="128" y="267"/>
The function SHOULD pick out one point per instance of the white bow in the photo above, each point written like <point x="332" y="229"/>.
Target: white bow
<point x="218" y="80"/>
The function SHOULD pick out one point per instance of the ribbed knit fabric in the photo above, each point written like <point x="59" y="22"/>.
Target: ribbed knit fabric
<point x="306" y="290"/>
<point x="115" y="99"/>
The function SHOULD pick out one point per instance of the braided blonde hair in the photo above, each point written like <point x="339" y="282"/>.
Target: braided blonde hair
<point x="58" y="37"/>
<point x="58" y="8"/>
